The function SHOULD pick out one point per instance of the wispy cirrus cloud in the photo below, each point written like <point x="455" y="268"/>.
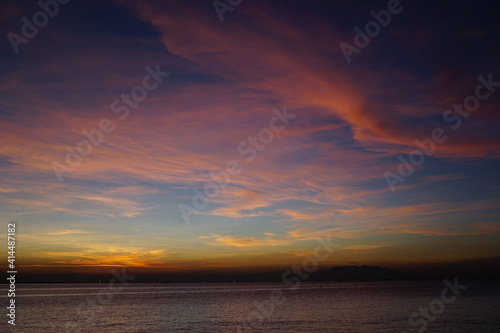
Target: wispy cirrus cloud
<point x="323" y="174"/>
<point x="227" y="240"/>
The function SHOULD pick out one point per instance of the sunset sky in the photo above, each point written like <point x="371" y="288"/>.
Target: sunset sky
<point x="323" y="173"/>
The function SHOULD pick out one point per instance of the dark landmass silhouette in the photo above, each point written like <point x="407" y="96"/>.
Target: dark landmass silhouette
<point x="361" y="273"/>
<point x="483" y="268"/>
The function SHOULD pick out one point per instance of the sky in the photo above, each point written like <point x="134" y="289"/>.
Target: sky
<point x="198" y="136"/>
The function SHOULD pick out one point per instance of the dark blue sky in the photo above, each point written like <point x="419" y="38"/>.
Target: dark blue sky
<point x="171" y="96"/>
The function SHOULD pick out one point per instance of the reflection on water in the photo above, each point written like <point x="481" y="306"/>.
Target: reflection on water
<point x="248" y="307"/>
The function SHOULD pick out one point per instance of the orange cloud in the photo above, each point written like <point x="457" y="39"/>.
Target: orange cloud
<point x="247" y="241"/>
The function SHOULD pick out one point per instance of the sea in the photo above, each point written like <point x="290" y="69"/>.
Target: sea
<point x="380" y="306"/>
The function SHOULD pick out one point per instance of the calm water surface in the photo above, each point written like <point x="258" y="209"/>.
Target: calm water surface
<point x="253" y="307"/>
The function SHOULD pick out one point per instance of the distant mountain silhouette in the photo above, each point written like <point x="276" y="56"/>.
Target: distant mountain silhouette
<point x="359" y="273"/>
<point x="481" y="268"/>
